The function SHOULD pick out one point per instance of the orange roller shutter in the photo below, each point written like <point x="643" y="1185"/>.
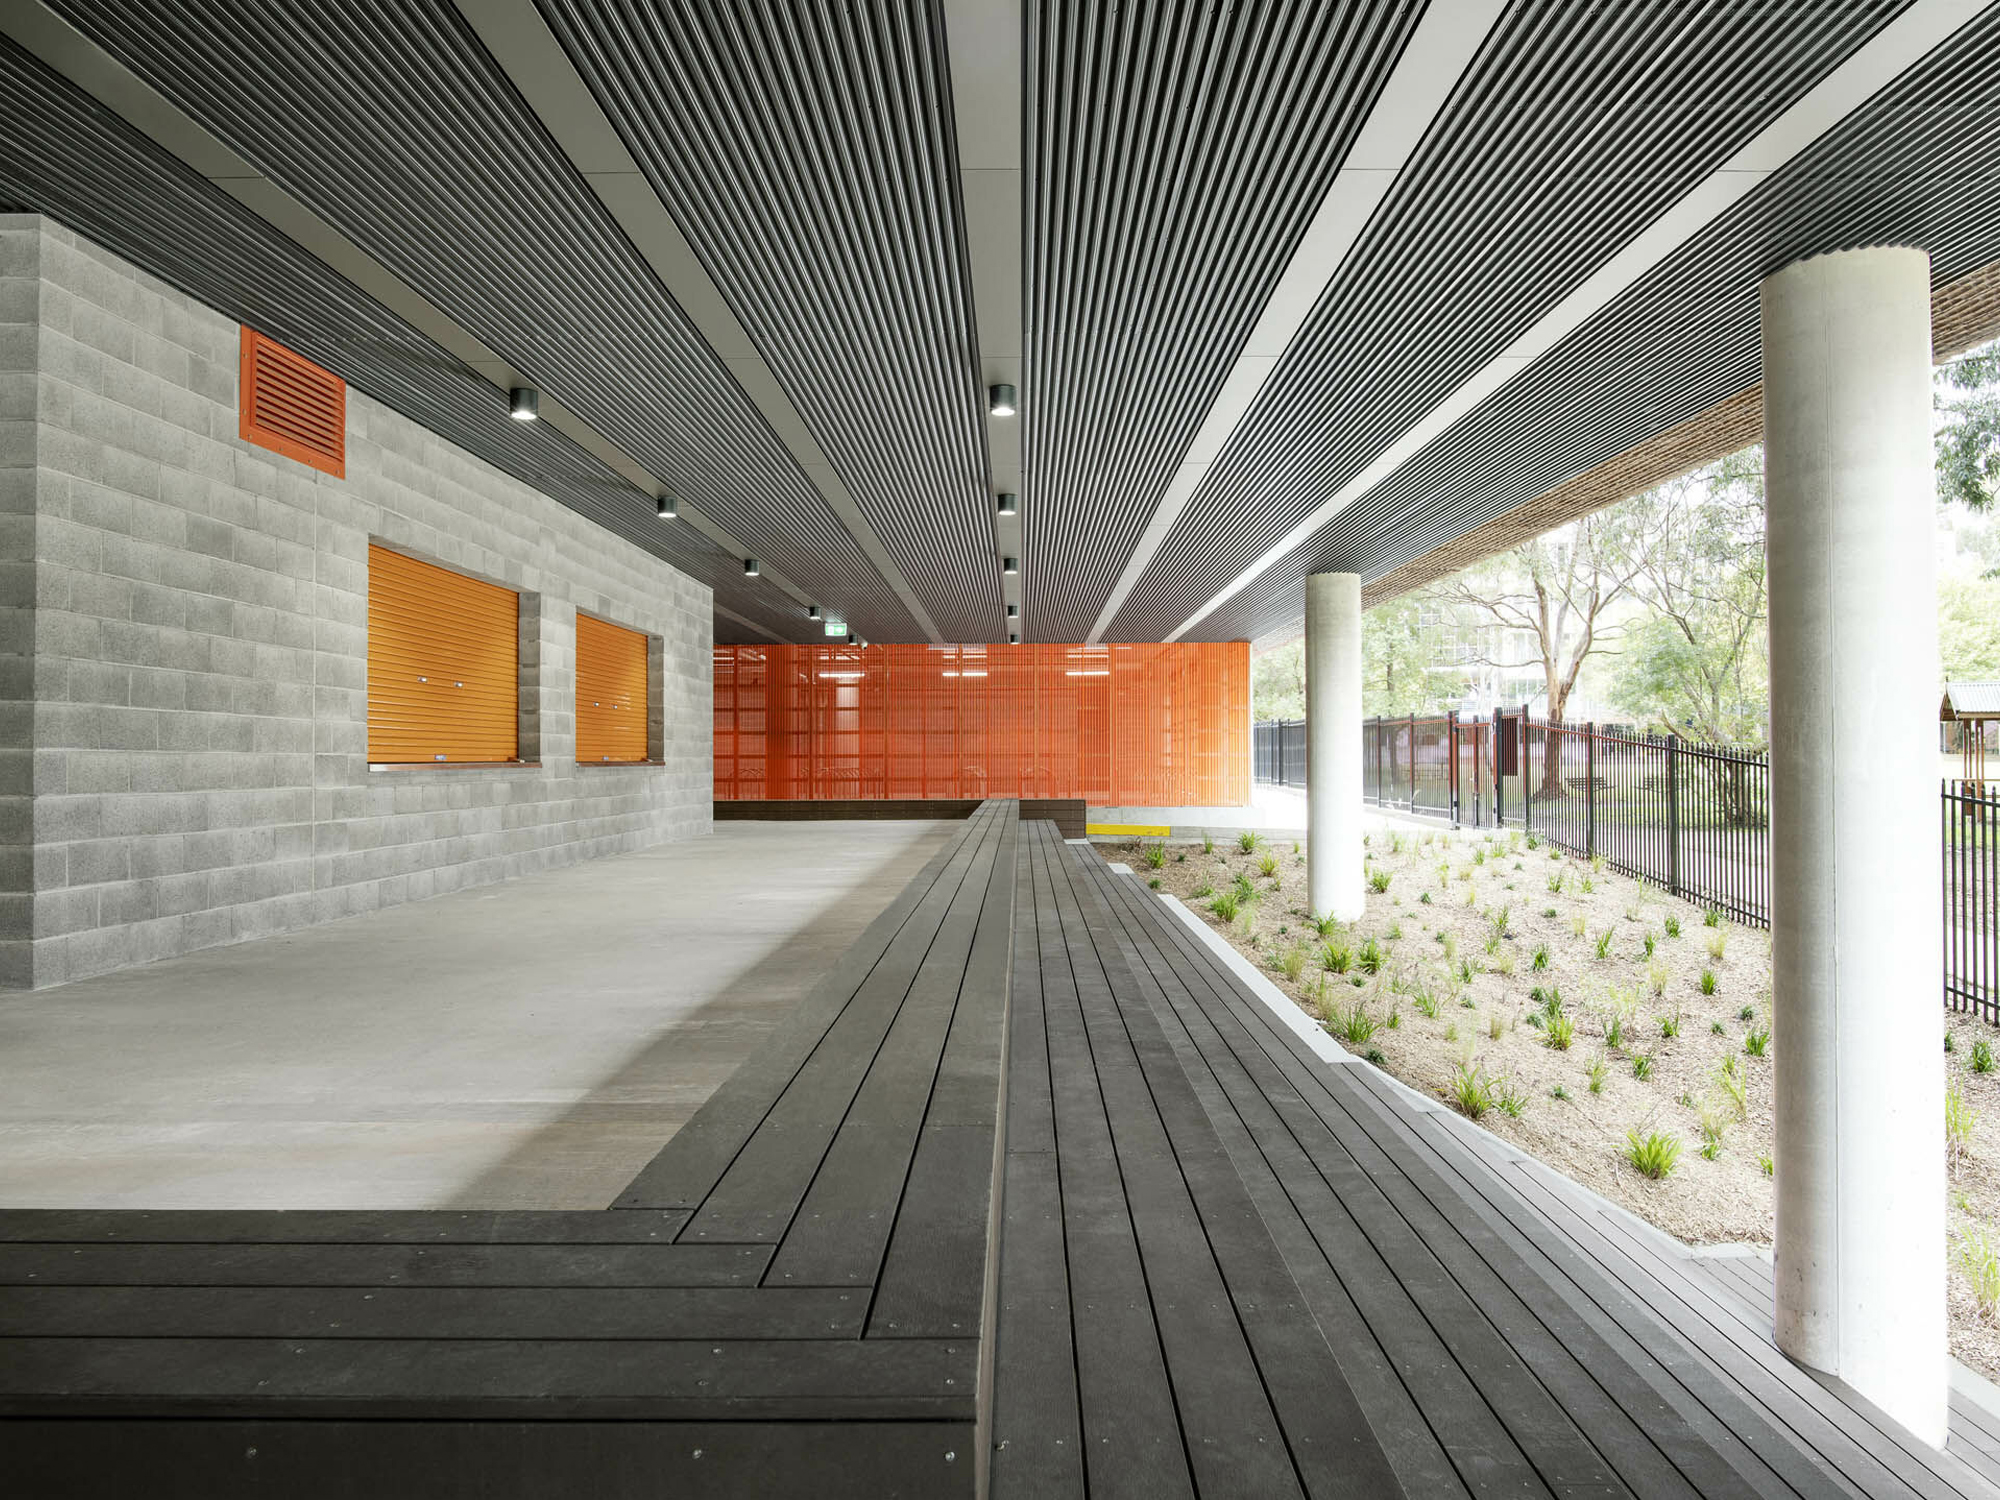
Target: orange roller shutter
<point x="611" y="701"/>
<point x="444" y="664"/>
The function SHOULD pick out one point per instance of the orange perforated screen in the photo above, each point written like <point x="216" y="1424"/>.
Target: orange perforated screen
<point x="610" y="692"/>
<point x="1130" y="725"/>
<point x="444" y="664"/>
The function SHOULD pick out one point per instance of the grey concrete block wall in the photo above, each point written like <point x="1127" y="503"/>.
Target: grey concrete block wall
<point x="183" y="646"/>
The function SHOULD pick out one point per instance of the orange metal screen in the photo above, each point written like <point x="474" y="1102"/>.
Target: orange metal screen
<point x="444" y="664"/>
<point x="290" y="405"/>
<point x="610" y="692"/>
<point x="1131" y="725"/>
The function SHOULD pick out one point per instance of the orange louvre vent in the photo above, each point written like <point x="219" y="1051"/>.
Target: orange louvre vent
<point x="444" y="664"/>
<point x="290" y="405"/>
<point x="611" y="706"/>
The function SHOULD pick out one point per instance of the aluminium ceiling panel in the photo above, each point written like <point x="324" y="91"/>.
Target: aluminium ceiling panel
<point x="1920" y="164"/>
<point x="147" y="206"/>
<point x="1176" y="154"/>
<point x="1574" y="129"/>
<point x="389" y="119"/>
<point x="806" y="152"/>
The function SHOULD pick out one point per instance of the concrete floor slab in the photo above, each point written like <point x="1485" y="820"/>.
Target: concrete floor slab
<point x="524" y="1045"/>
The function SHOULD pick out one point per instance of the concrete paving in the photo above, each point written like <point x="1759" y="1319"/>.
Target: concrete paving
<point x="524" y="1045"/>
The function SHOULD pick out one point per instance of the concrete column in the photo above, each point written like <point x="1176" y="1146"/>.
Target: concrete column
<point x="1333" y="744"/>
<point x="1855" y="911"/>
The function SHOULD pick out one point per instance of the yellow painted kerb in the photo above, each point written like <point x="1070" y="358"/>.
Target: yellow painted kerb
<point x="1129" y="830"/>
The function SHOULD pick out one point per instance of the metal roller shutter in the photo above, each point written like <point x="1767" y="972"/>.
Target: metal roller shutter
<point x="611" y="704"/>
<point x="444" y="664"/>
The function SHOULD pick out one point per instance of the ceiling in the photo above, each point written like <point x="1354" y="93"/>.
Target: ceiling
<point x="1285" y="287"/>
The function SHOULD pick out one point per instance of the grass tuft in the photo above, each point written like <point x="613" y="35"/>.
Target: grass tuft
<point x="1560" y="1031"/>
<point x="1378" y="881"/>
<point x="1226" y="906"/>
<point x="1758" y="1042"/>
<point x="1597" y="1070"/>
<point x="1540" y="961"/>
<point x="1709" y="984"/>
<point x="1292" y="962"/>
<point x="1267" y="866"/>
<point x="1654" y="1153"/>
<point x="1961" y="1123"/>
<point x="1982" y="1057"/>
<point x="1471" y="1090"/>
<point x="1980" y="1259"/>
<point x="1604" y="943"/>
<point x="1156" y="855"/>
<point x="1642" y="1066"/>
<point x="1249" y="839"/>
<point x="1336" y="957"/>
<point x="1673" y="925"/>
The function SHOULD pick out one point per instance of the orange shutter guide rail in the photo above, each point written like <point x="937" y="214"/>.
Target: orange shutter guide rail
<point x="444" y="664"/>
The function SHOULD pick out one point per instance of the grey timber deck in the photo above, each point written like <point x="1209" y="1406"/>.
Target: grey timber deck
<point x="1034" y="1196"/>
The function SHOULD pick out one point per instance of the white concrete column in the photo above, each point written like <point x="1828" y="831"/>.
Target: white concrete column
<point x="1855" y="911"/>
<point x="1333" y="744"/>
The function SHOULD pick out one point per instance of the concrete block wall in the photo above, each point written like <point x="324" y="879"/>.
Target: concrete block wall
<point x="183" y="646"/>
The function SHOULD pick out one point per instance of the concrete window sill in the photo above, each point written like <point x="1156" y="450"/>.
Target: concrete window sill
<point x="454" y="765"/>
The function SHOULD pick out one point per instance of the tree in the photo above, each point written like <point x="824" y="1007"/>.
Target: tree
<point x="1400" y="672"/>
<point x="1967" y="402"/>
<point x="1969" y="628"/>
<point x="1697" y="664"/>
<point x="1557" y="590"/>
<point x="1278" y="682"/>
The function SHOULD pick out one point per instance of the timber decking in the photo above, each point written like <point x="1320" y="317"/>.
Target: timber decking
<point x="786" y="1300"/>
<point x="1222" y="1264"/>
<point x="1484" y="1336"/>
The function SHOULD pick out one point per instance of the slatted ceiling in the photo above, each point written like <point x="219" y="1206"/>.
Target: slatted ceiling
<point x="290" y="405"/>
<point x="1685" y="337"/>
<point x="142" y="204"/>
<point x="1513" y="198"/>
<point x="612" y="701"/>
<point x="390" y="120"/>
<point x="806" y="154"/>
<point x="1153" y="248"/>
<point x="444" y="664"/>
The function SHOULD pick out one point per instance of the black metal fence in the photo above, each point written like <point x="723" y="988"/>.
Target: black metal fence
<point x="1278" y="752"/>
<point x="1693" y="819"/>
<point x="1971" y="837"/>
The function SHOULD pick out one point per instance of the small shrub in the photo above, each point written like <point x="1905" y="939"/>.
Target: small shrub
<point x="1981" y="1261"/>
<point x="1244" y="890"/>
<point x="1673" y="925"/>
<point x="1371" y="957"/>
<point x="1426" y="1002"/>
<point x="1558" y="1092"/>
<point x="1604" y="943"/>
<point x="1982" y="1057"/>
<point x="1225" y="906"/>
<point x="1712" y="917"/>
<point x="1378" y="881"/>
<point x="1556" y="883"/>
<point x="1749" y="1013"/>
<point x="1614" y="1030"/>
<point x="1670" y="1026"/>
<point x="1597" y="1071"/>
<point x="1758" y="1042"/>
<point x="1154" y="883"/>
<point x="1180" y="859"/>
<point x="1498" y="921"/>
<point x="1541" y="958"/>
<point x="1353" y="1025"/>
<point x="1326" y="927"/>
<point x="1249" y="839"/>
<point x="1734" y="1086"/>
<point x="1156" y="855"/>
<point x="1650" y="945"/>
<point x="1292" y="963"/>
<point x="1587" y="885"/>
<point x="1642" y="1066"/>
<point x="1374" y="1055"/>
<point x="1654" y="1153"/>
<point x="1711" y="1125"/>
<point x="1336" y="957"/>
<point x="1561" y="1032"/>
<point x="1708" y="982"/>
<point x="1465" y="971"/>
<point x="1547" y="998"/>
<point x="1770" y="1167"/>
<point x="1492" y="942"/>
<point x="1508" y="1099"/>
<point x="1267" y="866"/>
<point x="1425" y="898"/>
<point x="1961" y="1122"/>
<point x="1536" y="1020"/>
<point x="1471" y="1092"/>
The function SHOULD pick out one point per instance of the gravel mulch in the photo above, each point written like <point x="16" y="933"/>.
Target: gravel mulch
<point x="1438" y="925"/>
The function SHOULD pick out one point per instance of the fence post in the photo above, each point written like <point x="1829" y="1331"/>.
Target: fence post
<point x="1499" y="760"/>
<point x="1413" y="762"/>
<point x="1451" y="761"/>
<point x="1589" y="790"/>
<point x="1375" y="727"/>
<point x="1673" y="815"/>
